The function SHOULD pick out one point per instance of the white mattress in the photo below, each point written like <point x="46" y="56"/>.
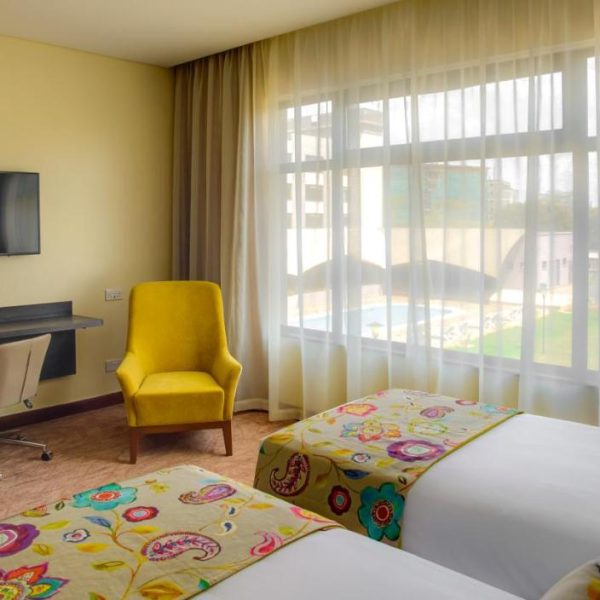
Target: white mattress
<point x="517" y="508"/>
<point x="339" y="564"/>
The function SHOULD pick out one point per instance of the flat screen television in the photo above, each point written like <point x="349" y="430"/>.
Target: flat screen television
<point x="19" y="213"/>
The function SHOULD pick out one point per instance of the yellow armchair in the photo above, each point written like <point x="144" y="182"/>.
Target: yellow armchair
<point x="177" y="374"/>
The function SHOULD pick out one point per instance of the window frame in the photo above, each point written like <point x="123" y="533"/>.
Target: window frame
<point x="573" y="138"/>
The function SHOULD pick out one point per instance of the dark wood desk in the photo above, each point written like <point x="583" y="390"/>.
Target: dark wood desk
<point x="56" y="318"/>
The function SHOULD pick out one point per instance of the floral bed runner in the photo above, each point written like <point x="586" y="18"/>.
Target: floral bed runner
<point x="166" y="536"/>
<point x="355" y="463"/>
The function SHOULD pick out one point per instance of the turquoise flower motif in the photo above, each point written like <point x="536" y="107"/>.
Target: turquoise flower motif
<point x="106" y="497"/>
<point x="380" y="511"/>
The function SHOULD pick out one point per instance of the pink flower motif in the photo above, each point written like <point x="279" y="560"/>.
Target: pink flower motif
<point x="76" y="536"/>
<point x="271" y="541"/>
<point x="140" y="513"/>
<point x="466" y="402"/>
<point x="14" y="538"/>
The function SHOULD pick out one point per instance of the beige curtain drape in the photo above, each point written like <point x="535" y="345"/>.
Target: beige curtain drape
<point x="216" y="225"/>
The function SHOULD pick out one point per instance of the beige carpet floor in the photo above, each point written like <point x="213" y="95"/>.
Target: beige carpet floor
<point x="91" y="449"/>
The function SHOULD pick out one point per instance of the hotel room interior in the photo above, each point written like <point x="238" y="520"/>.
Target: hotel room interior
<point x="299" y="299"/>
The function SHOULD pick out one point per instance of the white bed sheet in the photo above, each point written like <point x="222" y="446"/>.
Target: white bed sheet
<point x="338" y="564"/>
<point x="517" y="508"/>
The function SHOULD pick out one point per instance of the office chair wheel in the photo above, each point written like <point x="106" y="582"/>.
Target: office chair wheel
<point x="47" y="455"/>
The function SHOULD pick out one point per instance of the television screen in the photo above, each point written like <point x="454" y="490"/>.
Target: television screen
<point x="19" y="213"/>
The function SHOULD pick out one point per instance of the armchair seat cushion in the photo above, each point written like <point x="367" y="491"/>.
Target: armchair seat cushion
<point x="178" y="397"/>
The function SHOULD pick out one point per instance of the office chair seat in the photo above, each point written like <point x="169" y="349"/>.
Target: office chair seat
<point x="20" y="369"/>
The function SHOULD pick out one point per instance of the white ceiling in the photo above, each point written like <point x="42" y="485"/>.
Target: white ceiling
<point x="164" y="32"/>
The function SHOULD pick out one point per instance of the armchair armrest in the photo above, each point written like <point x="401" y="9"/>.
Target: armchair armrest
<point x="227" y="370"/>
<point x="130" y="375"/>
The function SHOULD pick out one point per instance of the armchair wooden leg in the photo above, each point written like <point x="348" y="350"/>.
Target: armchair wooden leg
<point x="228" y="438"/>
<point x="134" y="439"/>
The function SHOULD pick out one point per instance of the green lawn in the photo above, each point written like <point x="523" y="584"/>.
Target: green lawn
<point x="553" y="339"/>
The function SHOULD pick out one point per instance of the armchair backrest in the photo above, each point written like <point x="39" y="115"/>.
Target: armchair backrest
<point x="176" y="325"/>
<point x="20" y="368"/>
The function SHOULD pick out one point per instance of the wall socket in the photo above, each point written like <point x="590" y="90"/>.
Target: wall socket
<point x="111" y="294"/>
<point x="111" y="365"/>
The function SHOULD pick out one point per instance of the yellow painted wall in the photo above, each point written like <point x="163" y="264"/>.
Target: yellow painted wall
<point x="99" y="132"/>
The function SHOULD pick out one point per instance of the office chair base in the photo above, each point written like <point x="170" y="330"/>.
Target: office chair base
<point x="18" y="439"/>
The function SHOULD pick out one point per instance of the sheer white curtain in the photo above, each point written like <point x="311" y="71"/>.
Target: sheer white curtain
<point x="429" y="182"/>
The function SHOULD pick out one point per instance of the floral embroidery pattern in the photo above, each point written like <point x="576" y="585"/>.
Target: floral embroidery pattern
<point x="340" y="461"/>
<point x="361" y="457"/>
<point x="38" y="511"/>
<point x="76" y="536"/>
<point x="170" y="545"/>
<point x="381" y="511"/>
<point x="295" y="478"/>
<point x="339" y="500"/>
<point x="357" y="409"/>
<point x="426" y="428"/>
<point x="14" y="538"/>
<point x="436" y="412"/>
<point x="413" y="450"/>
<point x="26" y="583"/>
<point x="308" y="515"/>
<point x="140" y="513"/>
<point x="106" y="497"/>
<point x="209" y="493"/>
<point x="270" y="542"/>
<point x="492" y="409"/>
<point x="370" y="431"/>
<point x="150" y="549"/>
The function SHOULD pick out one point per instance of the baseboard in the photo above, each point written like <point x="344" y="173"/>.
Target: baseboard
<point x="251" y="404"/>
<point x="28" y="417"/>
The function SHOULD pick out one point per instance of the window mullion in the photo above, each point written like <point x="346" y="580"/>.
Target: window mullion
<point x="575" y="123"/>
<point x="338" y="142"/>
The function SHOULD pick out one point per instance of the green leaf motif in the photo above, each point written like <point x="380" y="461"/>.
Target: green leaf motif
<point x="94" y="596"/>
<point x="59" y="505"/>
<point x="55" y="525"/>
<point x="161" y="590"/>
<point x="203" y="584"/>
<point x="111" y="565"/>
<point x="42" y="549"/>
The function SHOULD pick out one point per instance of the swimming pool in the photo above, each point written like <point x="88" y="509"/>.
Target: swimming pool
<point x="371" y="319"/>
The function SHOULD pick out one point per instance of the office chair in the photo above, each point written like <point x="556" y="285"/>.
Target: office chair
<point x="177" y="374"/>
<point x="20" y="367"/>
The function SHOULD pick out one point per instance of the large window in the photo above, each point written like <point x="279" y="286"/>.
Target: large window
<point x="468" y="209"/>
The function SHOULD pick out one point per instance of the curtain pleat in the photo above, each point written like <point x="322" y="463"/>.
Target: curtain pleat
<point x="216" y="226"/>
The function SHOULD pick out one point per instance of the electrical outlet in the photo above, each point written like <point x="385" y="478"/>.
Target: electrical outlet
<point x="111" y="294"/>
<point x="111" y="365"/>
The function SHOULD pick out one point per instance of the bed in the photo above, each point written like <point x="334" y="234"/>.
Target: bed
<point x="342" y="564"/>
<point x="188" y="533"/>
<point x="515" y="504"/>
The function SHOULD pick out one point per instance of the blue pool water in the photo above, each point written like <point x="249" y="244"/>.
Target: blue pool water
<point x="369" y="316"/>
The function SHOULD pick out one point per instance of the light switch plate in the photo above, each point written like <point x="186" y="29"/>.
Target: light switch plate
<point x="111" y="365"/>
<point x="111" y="294"/>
